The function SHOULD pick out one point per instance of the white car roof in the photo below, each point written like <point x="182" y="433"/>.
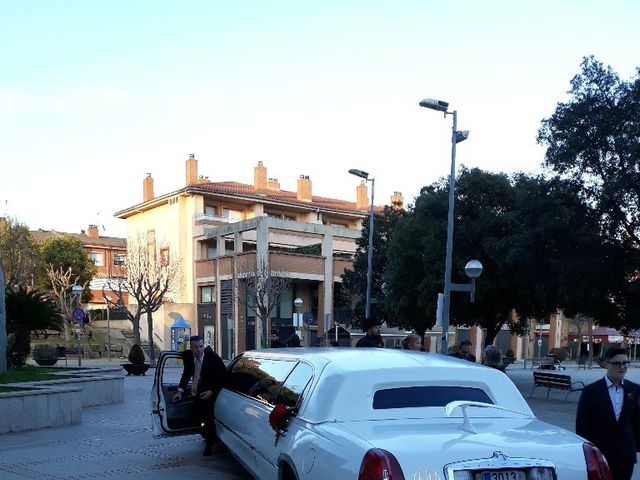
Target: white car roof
<point x="346" y="379"/>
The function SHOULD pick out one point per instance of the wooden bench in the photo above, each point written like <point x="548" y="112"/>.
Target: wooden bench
<point x="553" y="380"/>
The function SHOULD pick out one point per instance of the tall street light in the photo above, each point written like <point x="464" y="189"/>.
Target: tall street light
<point x="456" y="137"/>
<point x="365" y="175"/>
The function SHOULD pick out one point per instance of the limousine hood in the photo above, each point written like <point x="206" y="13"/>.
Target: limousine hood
<point x="426" y="445"/>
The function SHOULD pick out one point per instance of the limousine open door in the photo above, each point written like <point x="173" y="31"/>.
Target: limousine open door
<point x="168" y="418"/>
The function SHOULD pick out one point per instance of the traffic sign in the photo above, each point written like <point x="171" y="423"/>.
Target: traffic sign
<point x="78" y="314"/>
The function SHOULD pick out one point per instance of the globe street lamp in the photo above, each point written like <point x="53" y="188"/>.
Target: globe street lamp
<point x="457" y="136"/>
<point x="365" y="175"/>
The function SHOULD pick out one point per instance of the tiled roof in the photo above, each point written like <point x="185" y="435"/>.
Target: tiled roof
<point x="245" y="190"/>
<point x="40" y="235"/>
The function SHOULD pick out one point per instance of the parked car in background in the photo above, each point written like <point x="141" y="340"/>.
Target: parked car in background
<point x="318" y="414"/>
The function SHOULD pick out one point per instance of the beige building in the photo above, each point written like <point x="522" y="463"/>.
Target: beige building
<point x="222" y="229"/>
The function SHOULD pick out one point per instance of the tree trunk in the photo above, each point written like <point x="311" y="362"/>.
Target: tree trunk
<point x="152" y="359"/>
<point x="135" y="321"/>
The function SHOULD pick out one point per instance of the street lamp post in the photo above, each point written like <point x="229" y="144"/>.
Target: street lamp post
<point x="76" y="290"/>
<point x="456" y="137"/>
<point x="108" y="298"/>
<point x="365" y="175"/>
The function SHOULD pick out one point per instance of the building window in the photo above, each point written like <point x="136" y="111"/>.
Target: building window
<point x="210" y="210"/>
<point x="119" y="259"/>
<point x="208" y="294"/>
<point x="164" y="256"/>
<point x="97" y="258"/>
<point x="212" y="252"/>
<point x="232" y="215"/>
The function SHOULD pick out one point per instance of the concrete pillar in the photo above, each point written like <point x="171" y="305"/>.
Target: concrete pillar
<point x="3" y="327"/>
<point x="327" y="253"/>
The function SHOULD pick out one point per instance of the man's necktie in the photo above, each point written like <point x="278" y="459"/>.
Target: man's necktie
<point x="196" y="377"/>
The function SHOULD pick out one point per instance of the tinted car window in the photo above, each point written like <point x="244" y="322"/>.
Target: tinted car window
<point x="295" y="384"/>
<point x="426" y="396"/>
<point x="259" y="377"/>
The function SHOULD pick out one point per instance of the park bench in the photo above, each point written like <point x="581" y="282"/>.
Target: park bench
<point x="554" y="380"/>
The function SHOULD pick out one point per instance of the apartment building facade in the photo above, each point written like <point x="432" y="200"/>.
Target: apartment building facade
<point x="221" y="230"/>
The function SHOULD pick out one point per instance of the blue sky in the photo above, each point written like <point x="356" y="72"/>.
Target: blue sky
<point x="95" y="94"/>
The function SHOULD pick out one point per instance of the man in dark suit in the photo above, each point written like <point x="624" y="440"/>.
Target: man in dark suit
<point x="209" y="373"/>
<point x="464" y="351"/>
<point x="609" y="415"/>
<point x="372" y="338"/>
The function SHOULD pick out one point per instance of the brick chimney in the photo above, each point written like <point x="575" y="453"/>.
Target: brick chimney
<point x="192" y="170"/>
<point x="362" y="196"/>
<point x="397" y="200"/>
<point x="260" y="178"/>
<point x="93" y="231"/>
<point x="304" y="188"/>
<point x="273" y="184"/>
<point x="147" y="188"/>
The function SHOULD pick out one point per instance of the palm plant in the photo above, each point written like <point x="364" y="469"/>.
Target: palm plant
<point x="27" y="310"/>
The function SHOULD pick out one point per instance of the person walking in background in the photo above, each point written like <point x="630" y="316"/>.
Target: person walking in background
<point x="608" y="415"/>
<point x="275" y="340"/>
<point x="372" y="338"/>
<point x="293" y="340"/>
<point x="464" y="351"/>
<point x="412" y="342"/>
<point x="208" y="372"/>
<point x="492" y="357"/>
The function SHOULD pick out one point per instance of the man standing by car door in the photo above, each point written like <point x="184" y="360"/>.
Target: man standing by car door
<point x="209" y="373"/>
<point x="609" y="415"/>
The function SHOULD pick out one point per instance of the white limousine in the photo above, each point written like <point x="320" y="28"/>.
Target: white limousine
<point x="376" y="414"/>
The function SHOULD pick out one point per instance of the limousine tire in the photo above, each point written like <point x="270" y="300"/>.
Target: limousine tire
<point x="287" y="472"/>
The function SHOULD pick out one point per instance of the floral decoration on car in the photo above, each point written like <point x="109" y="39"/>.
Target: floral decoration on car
<point x="279" y="419"/>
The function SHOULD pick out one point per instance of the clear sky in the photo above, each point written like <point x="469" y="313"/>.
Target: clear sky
<point x="95" y="94"/>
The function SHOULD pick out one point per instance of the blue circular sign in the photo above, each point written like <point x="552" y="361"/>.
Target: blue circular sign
<point x="78" y="314"/>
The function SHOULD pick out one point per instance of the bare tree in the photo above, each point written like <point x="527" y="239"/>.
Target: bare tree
<point x="153" y="276"/>
<point x="62" y="281"/>
<point x="264" y="289"/>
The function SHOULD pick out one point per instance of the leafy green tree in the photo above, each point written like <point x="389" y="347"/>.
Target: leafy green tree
<point x="354" y="282"/>
<point x="19" y="254"/>
<point x="593" y="140"/>
<point x="27" y="310"/>
<point x="532" y="236"/>
<point x="64" y="253"/>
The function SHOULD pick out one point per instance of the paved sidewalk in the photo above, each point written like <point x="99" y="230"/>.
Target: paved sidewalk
<point x="115" y="441"/>
<point x="112" y="442"/>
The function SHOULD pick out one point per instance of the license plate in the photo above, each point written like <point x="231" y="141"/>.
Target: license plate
<point x="502" y="475"/>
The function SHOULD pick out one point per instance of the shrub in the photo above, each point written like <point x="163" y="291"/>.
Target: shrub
<point x="44" y="351"/>
<point x="560" y="354"/>
<point x="509" y="356"/>
<point x="136" y="355"/>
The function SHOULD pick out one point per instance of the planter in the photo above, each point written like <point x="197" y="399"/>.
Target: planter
<point x="46" y="362"/>
<point x="132" y="369"/>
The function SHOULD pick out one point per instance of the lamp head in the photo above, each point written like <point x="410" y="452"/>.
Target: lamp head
<point x="77" y="290"/>
<point x="462" y="135"/>
<point x="473" y="269"/>
<point x="434" y="104"/>
<point x="298" y="302"/>
<point x="359" y="173"/>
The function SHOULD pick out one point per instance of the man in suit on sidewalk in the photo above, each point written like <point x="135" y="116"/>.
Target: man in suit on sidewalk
<point x="608" y="415"/>
<point x="209" y="373"/>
